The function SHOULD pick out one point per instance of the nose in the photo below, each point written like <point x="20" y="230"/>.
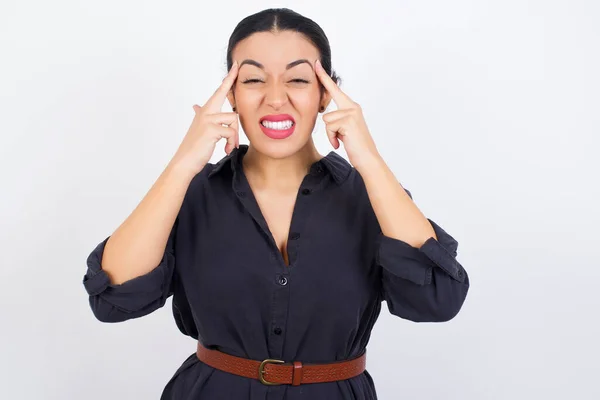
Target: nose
<point x="276" y="95"/>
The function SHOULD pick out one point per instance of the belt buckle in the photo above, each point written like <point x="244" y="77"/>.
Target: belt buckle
<point x="261" y="371"/>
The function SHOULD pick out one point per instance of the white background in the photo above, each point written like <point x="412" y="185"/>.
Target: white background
<point x="488" y="111"/>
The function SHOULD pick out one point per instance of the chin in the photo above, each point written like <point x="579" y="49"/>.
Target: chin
<point x="278" y="148"/>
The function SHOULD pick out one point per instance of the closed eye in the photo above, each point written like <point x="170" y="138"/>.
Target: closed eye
<point x="258" y="80"/>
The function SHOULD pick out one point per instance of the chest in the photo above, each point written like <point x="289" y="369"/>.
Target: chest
<point x="277" y="210"/>
<point x="230" y="269"/>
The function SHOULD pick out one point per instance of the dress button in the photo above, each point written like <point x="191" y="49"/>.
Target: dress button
<point x="306" y="191"/>
<point x="282" y="280"/>
<point x="277" y="331"/>
<point x="460" y="273"/>
<point x="294" y="236"/>
<point x="241" y="194"/>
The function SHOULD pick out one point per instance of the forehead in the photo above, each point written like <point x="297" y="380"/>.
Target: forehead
<point x="274" y="50"/>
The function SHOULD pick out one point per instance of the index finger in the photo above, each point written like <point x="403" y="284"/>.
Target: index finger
<point x="215" y="102"/>
<point x="339" y="97"/>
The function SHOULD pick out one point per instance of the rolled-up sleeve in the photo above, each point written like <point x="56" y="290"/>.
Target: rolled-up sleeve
<point x="131" y="299"/>
<point x="425" y="284"/>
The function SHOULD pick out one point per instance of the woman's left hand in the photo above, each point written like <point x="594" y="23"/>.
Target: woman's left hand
<point x="347" y="124"/>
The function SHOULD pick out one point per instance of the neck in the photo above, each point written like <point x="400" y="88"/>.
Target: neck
<point x="280" y="174"/>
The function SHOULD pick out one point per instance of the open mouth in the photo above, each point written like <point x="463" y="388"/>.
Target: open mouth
<point x="278" y="126"/>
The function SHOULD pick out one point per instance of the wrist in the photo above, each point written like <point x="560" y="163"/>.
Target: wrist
<point x="369" y="162"/>
<point x="181" y="169"/>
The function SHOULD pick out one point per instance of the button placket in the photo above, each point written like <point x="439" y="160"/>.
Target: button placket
<point x="282" y="280"/>
<point x="279" y="310"/>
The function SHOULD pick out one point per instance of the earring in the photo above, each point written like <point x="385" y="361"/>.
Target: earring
<point x="322" y="109"/>
<point x="234" y="109"/>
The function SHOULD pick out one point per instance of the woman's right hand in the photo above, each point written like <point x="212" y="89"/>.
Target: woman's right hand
<point x="207" y="129"/>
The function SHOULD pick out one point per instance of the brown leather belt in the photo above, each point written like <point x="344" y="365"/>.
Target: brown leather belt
<point x="278" y="372"/>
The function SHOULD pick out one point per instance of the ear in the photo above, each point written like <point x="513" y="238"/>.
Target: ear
<point x="325" y="100"/>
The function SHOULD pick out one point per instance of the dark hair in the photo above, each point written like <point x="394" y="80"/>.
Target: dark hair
<point x="284" y="19"/>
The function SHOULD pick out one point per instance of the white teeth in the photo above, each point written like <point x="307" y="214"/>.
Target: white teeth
<point x="281" y="125"/>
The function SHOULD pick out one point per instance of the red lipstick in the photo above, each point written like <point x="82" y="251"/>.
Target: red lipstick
<point x="277" y="133"/>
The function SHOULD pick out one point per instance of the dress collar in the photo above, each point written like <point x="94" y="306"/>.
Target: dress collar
<point x="335" y="164"/>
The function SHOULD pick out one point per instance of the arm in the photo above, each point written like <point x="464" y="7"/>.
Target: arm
<point x="421" y="279"/>
<point x="398" y="216"/>
<point x="129" y="273"/>
<point x="138" y="244"/>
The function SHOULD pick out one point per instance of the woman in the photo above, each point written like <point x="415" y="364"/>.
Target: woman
<point x="277" y="258"/>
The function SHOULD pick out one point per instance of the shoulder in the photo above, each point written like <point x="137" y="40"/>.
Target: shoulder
<point x="198" y="184"/>
<point x="355" y="184"/>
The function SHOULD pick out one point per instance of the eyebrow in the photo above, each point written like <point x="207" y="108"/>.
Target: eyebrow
<point x="290" y="65"/>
